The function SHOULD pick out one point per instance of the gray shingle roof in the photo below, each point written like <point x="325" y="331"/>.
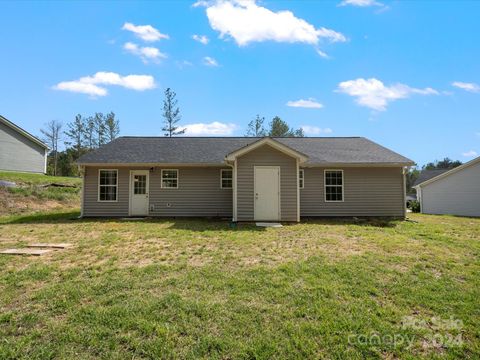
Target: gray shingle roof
<point x="428" y="174"/>
<point x="212" y="150"/>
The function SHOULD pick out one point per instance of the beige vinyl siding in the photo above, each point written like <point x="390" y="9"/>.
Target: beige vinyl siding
<point x="93" y="207"/>
<point x="266" y="156"/>
<point x="198" y="194"/>
<point x="456" y="194"/>
<point x="367" y="191"/>
<point x="19" y="153"/>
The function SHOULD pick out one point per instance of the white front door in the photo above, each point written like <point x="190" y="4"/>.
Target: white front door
<point x="267" y="193"/>
<point x="139" y="184"/>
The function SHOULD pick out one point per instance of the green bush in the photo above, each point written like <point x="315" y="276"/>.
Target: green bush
<point x="415" y="206"/>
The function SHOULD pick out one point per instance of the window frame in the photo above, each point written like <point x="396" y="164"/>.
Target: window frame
<point x="98" y="186"/>
<point x="221" y="179"/>
<point x="325" y="185"/>
<point x="301" y="171"/>
<point x="169" y="187"/>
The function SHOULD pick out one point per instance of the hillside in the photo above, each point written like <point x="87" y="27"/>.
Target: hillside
<point x="37" y="192"/>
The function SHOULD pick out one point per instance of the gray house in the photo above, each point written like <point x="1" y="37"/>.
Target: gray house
<point x="20" y="150"/>
<point x="245" y="179"/>
<point x="455" y="191"/>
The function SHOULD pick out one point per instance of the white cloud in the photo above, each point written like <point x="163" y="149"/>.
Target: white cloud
<point x="372" y="93"/>
<point x="201" y="39"/>
<point x="309" y="104"/>
<point x="322" y="54"/>
<point x="145" y="53"/>
<point x="471" y="153"/>
<point x="209" y="61"/>
<point x="314" y="130"/>
<point x="471" y="87"/>
<point x="145" y="32"/>
<point x="213" y="129"/>
<point x="95" y="85"/>
<point x="360" y="3"/>
<point x="246" y="22"/>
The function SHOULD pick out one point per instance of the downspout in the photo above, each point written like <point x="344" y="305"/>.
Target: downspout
<point x="298" y="190"/>
<point x="405" y="170"/>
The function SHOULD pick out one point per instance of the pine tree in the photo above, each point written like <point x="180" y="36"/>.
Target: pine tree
<point x="171" y="114"/>
<point x="112" y="126"/>
<point x="76" y="134"/>
<point x="256" y="128"/>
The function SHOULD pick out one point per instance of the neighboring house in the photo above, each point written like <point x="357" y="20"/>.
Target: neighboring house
<point x="455" y="191"/>
<point x="242" y="178"/>
<point x="20" y="150"/>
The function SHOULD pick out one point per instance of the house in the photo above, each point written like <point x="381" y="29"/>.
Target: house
<point x="20" y="150"/>
<point x="242" y="178"/>
<point x="455" y="191"/>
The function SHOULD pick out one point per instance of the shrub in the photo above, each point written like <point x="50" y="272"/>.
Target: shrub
<point x="415" y="206"/>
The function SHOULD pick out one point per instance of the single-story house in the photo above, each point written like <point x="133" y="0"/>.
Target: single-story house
<point x="243" y="178"/>
<point x="455" y="191"/>
<point x="20" y="150"/>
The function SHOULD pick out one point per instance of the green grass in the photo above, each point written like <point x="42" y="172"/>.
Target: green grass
<point x="37" y="179"/>
<point x="199" y="289"/>
<point x="31" y="195"/>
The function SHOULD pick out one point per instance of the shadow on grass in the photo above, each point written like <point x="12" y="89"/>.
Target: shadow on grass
<point x="42" y="218"/>
<point x="69" y="217"/>
<point x="191" y="224"/>
<point x="380" y="222"/>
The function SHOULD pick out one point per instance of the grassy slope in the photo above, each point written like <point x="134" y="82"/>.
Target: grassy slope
<point x="198" y="289"/>
<point x="31" y="196"/>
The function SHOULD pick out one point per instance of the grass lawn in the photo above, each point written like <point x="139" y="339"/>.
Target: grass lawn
<point x="199" y="289"/>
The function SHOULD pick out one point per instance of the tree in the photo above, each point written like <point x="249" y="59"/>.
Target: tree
<point x="410" y="177"/>
<point x="256" y="128"/>
<point x="76" y="134"/>
<point x="446" y="163"/>
<point x="89" y="126"/>
<point x="52" y="133"/>
<point x="279" y="128"/>
<point x="171" y="114"/>
<point x="112" y="126"/>
<point x="100" y="130"/>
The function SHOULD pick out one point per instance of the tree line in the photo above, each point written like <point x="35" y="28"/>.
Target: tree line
<point x="81" y="135"/>
<point x="86" y="133"/>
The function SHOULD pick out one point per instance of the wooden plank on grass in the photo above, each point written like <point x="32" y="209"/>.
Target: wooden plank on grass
<point x="25" y="251"/>
<point x="51" y="245"/>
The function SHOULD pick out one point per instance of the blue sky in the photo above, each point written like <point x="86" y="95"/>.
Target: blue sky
<point x="405" y="74"/>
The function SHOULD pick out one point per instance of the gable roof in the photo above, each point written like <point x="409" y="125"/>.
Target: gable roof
<point x="267" y="141"/>
<point x="448" y="172"/>
<point x="428" y="174"/>
<point x="23" y="132"/>
<point x="213" y="150"/>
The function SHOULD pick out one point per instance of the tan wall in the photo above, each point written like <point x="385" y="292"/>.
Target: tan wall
<point x="199" y="194"/>
<point x="266" y="156"/>
<point x="367" y="192"/>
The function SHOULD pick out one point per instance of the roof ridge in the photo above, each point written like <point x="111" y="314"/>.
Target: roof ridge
<point x="239" y="137"/>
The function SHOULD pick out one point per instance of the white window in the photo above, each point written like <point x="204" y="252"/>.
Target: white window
<point x="107" y="185"/>
<point x="170" y="179"/>
<point x="301" y="178"/>
<point x="226" y="178"/>
<point x="333" y="185"/>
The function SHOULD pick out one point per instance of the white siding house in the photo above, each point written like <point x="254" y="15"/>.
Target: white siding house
<point x="19" y="150"/>
<point x="455" y="192"/>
